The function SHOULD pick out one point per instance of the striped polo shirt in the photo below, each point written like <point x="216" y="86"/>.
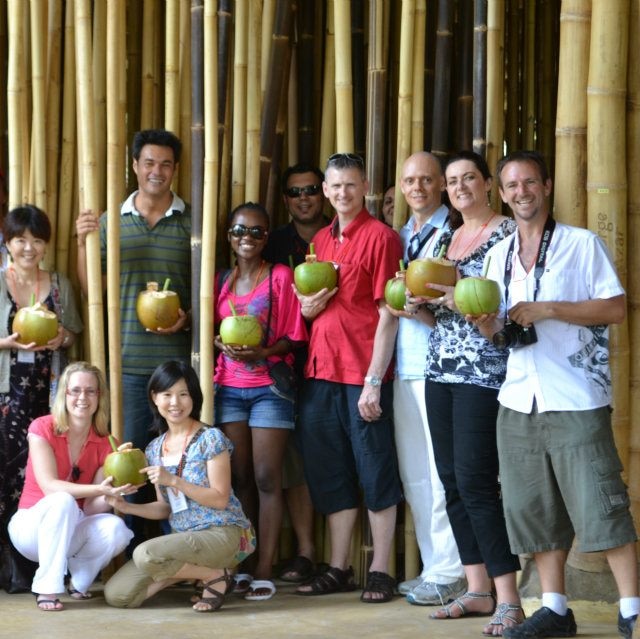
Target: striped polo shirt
<point x="151" y="254"/>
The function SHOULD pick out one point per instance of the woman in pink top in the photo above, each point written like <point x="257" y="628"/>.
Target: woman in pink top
<point x="251" y="410"/>
<point x="63" y="520"/>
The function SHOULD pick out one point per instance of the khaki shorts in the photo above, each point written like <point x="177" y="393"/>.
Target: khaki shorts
<point x="560" y="476"/>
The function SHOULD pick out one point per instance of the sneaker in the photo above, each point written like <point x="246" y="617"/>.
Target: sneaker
<point x="429" y="593"/>
<point x="405" y="587"/>
<point x="626" y="625"/>
<point x="544" y="623"/>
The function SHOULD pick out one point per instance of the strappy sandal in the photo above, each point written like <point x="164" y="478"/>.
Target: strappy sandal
<point x="56" y="603"/>
<point x="77" y="595"/>
<point x="460" y="605"/>
<point x="330" y="581"/>
<point x="378" y="583"/>
<point x="511" y="612"/>
<point x="216" y="599"/>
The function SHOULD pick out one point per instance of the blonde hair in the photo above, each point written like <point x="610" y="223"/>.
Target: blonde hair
<point x="59" y="408"/>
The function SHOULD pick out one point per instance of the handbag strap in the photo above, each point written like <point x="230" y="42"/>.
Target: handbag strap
<point x="266" y="334"/>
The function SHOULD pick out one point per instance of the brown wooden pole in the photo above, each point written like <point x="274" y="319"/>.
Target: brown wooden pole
<point x="442" y="84"/>
<point x="480" y="76"/>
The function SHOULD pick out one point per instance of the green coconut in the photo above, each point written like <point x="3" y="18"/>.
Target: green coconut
<point x="312" y="276"/>
<point x="241" y="330"/>
<point x="125" y="465"/>
<point x="35" y="323"/>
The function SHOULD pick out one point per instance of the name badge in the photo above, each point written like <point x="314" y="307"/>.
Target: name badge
<point x="26" y="357"/>
<point x="177" y="500"/>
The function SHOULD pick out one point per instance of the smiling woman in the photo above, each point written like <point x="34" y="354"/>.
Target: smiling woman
<point x="28" y="372"/>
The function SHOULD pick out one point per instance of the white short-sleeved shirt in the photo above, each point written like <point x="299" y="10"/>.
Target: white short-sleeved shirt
<point x="568" y="367"/>
<point x="413" y="336"/>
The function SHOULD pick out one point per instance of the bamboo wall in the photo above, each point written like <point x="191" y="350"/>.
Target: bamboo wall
<point x="254" y="85"/>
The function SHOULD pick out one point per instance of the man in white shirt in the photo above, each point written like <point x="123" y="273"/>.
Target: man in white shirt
<point x="442" y="576"/>
<point x="559" y="467"/>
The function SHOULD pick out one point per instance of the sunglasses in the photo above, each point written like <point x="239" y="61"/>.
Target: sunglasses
<point x="297" y="191"/>
<point x="347" y="159"/>
<point x="256" y="232"/>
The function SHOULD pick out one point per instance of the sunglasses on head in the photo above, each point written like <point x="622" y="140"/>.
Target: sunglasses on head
<point x="348" y="159"/>
<point x="297" y="191"/>
<point x="256" y="232"/>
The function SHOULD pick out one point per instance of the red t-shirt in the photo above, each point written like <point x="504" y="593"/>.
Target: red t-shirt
<point x="342" y="335"/>
<point x="90" y="461"/>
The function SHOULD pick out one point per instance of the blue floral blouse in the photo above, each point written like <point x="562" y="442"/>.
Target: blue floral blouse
<point x="458" y="353"/>
<point x="210" y="442"/>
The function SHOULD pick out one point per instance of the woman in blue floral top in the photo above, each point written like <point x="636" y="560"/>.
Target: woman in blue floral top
<point x="463" y="374"/>
<point x="190" y="467"/>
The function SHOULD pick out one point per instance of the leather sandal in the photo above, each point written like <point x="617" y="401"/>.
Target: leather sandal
<point x="330" y="581"/>
<point x="459" y="604"/>
<point x="214" y="598"/>
<point x="378" y="583"/>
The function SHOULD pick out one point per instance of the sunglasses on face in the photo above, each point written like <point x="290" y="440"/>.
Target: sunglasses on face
<point x="240" y="230"/>
<point x="297" y="191"/>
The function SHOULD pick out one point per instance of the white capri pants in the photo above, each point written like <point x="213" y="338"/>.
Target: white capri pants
<point x="57" y="535"/>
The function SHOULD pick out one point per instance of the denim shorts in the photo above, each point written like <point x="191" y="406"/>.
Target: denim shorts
<point x="260" y="407"/>
<point x="561" y="475"/>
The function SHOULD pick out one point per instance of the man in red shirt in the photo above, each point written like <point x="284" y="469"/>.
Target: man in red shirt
<point x="346" y="407"/>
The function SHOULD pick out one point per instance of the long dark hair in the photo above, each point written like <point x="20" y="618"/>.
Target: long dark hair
<point x="164" y="377"/>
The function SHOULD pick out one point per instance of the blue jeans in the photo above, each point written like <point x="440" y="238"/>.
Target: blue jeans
<point x="137" y="414"/>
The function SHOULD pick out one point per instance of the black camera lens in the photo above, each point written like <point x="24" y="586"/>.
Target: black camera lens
<point x="515" y="336"/>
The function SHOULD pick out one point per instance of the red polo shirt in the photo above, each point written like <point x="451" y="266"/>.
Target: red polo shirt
<point x="342" y="335"/>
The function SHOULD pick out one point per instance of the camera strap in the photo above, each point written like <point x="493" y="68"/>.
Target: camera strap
<point x="545" y="240"/>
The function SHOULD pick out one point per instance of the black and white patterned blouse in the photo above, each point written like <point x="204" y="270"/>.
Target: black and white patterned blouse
<point x="458" y="353"/>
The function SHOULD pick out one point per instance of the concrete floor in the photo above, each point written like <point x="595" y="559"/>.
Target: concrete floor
<point x="169" y="616"/>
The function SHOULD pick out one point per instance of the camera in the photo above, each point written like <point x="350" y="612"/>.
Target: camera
<point x="514" y="335"/>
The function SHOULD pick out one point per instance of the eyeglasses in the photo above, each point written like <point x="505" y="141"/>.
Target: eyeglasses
<point x="297" y="191"/>
<point x="347" y="159"/>
<point x="256" y="232"/>
<point x="89" y="392"/>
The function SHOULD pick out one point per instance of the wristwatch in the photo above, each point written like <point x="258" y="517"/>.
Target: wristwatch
<point x="372" y="380"/>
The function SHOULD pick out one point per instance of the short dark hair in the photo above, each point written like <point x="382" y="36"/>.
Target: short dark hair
<point x="27" y="218"/>
<point x="298" y="169"/>
<point x="341" y="161"/>
<point x="471" y="156"/>
<point x="157" y="137"/>
<point x="533" y="157"/>
<point x="249" y="206"/>
<point x="163" y="378"/>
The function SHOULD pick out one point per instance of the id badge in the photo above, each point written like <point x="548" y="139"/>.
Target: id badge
<point x="26" y="357"/>
<point x="177" y="500"/>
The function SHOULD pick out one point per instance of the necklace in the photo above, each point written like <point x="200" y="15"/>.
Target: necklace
<point x="74" y="468"/>
<point x="165" y="447"/>
<point x="471" y="244"/>
<point x="251" y="293"/>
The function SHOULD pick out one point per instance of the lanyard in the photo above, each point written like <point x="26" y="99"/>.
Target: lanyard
<point x="545" y="240"/>
<point x="183" y="459"/>
<point x="412" y="253"/>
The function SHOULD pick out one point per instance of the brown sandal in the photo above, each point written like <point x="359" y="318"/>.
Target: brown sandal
<point x="459" y="603"/>
<point x="216" y="599"/>
<point x="330" y="581"/>
<point x="512" y="612"/>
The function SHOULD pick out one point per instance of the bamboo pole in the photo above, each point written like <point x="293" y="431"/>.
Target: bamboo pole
<point x="570" y="201"/>
<point x="276" y="82"/>
<point x="52" y="133"/>
<point x="266" y="36"/>
<point x="238" y="153"/>
<point x="134" y="75"/>
<point x="480" y="76"/>
<point x="292" y="109"/>
<point x="87" y="167"/>
<point x="38" y="171"/>
<point x="359" y="103"/>
<point x="184" y="175"/>
<point x="223" y="56"/>
<point x="99" y="96"/>
<point x="211" y="172"/>
<point x="15" y="100"/>
<point x="405" y="95"/>
<point x="429" y="71"/>
<point x="606" y="173"/>
<point x="172" y="67"/>
<point x="328" y="126"/>
<point x="376" y="107"/>
<point x="343" y="77"/>
<point x="197" y="171"/>
<point x="463" y="77"/>
<point x="306" y="78"/>
<point x="495" y="89"/>
<point x="442" y="82"/>
<point x="147" y="93"/>
<point x="529" y="76"/>
<point x="4" y="48"/>
<point x="514" y="60"/>
<point x="254" y="106"/>
<point x="67" y="151"/>
<point x="417" y="105"/>
<point x="633" y="241"/>
<point x="116" y="152"/>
